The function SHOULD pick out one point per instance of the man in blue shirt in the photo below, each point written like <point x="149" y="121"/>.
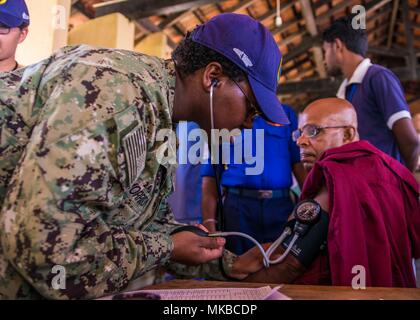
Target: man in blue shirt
<point x="376" y="93"/>
<point x="257" y="205"/>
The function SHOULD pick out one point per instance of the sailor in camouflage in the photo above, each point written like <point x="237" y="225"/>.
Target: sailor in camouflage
<point x="81" y="186"/>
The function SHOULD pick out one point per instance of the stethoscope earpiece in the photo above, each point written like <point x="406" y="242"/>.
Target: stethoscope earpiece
<point x="214" y="82"/>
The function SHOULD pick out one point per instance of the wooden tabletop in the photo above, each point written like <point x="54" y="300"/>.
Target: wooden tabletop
<point x="300" y="292"/>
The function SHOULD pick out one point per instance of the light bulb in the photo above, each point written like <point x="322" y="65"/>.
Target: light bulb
<point x="279" y="21"/>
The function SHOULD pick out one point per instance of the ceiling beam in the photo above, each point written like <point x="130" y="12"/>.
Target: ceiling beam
<point x="392" y="23"/>
<point x="272" y="13"/>
<point x="284" y="27"/>
<point x="330" y="84"/>
<point x="309" y="85"/>
<point x="344" y="4"/>
<point x="411" y="59"/>
<point x="388" y="52"/>
<point x="292" y="37"/>
<point x="151" y="28"/>
<point x="306" y="44"/>
<point x="174" y="18"/>
<point x="136" y="9"/>
<point x="295" y="65"/>
<point x="375" y="5"/>
<point x="312" y="28"/>
<point x="415" y="10"/>
<point x="242" y="5"/>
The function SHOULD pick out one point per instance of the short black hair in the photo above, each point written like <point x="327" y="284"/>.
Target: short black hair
<point x="191" y="56"/>
<point x="354" y="39"/>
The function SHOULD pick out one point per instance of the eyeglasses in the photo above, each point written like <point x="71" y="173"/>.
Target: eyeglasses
<point x="4" y="30"/>
<point x="311" y="131"/>
<point x="252" y="110"/>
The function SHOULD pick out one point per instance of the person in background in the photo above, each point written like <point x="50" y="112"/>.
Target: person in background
<point x="257" y="205"/>
<point x="14" y="22"/>
<point x="375" y="92"/>
<point x="371" y="201"/>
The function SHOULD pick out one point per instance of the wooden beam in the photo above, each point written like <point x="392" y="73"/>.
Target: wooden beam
<point x="330" y="84"/>
<point x="242" y="5"/>
<point x="392" y="23"/>
<point x="370" y="7"/>
<point x="175" y="18"/>
<point x="307" y="43"/>
<point x="272" y="13"/>
<point x="320" y="3"/>
<point x="379" y="15"/>
<point x="388" y="52"/>
<point x="295" y="65"/>
<point x="284" y="26"/>
<point x="292" y="37"/>
<point x="344" y="4"/>
<point x="312" y="28"/>
<point x="375" y="5"/>
<point x="309" y="85"/>
<point x="411" y="59"/>
<point x="136" y="9"/>
<point x="151" y="27"/>
<point x="415" y="10"/>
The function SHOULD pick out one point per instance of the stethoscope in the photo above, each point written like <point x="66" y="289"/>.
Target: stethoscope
<point x="306" y="214"/>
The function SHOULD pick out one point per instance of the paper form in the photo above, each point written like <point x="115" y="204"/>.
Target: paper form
<point x="263" y="293"/>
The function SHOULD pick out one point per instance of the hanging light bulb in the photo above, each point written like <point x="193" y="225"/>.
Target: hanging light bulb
<point x="279" y="21"/>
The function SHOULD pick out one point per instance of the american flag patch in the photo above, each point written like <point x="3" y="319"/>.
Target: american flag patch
<point x="135" y="153"/>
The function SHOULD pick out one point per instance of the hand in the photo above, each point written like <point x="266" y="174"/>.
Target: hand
<point x="191" y="249"/>
<point x="248" y="263"/>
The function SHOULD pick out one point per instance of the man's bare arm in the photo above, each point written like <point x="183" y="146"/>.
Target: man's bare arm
<point x="300" y="173"/>
<point x="408" y="142"/>
<point x="285" y="272"/>
<point x="209" y="203"/>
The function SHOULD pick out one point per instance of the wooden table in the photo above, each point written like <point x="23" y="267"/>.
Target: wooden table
<point x="300" y="292"/>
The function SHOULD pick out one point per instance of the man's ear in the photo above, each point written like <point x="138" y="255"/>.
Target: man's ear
<point x="23" y="34"/>
<point x="212" y="72"/>
<point x="350" y="134"/>
<point x="339" y="45"/>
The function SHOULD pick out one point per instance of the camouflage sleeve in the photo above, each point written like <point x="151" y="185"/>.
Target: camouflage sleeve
<point x="56" y="216"/>
<point x="18" y="112"/>
<point x="165" y="223"/>
<point x="211" y="270"/>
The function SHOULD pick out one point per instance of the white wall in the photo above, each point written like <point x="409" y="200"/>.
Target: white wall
<point x="47" y="31"/>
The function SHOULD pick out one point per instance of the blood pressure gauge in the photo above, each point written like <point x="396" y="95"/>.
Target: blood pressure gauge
<point x="307" y="213"/>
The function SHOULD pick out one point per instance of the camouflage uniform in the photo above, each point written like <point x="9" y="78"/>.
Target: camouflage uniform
<point x="79" y="164"/>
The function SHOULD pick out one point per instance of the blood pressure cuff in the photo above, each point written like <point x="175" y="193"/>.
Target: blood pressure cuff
<point x="308" y="247"/>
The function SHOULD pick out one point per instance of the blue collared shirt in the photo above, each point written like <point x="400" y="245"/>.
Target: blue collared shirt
<point x="378" y="98"/>
<point x="280" y="154"/>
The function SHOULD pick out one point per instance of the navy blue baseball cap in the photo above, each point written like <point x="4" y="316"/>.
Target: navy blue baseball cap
<point x="251" y="46"/>
<point x="13" y="13"/>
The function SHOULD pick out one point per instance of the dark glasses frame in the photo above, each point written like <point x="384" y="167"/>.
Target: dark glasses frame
<point x="316" y="131"/>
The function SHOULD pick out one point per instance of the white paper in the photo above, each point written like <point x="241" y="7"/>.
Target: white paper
<point x="263" y="293"/>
